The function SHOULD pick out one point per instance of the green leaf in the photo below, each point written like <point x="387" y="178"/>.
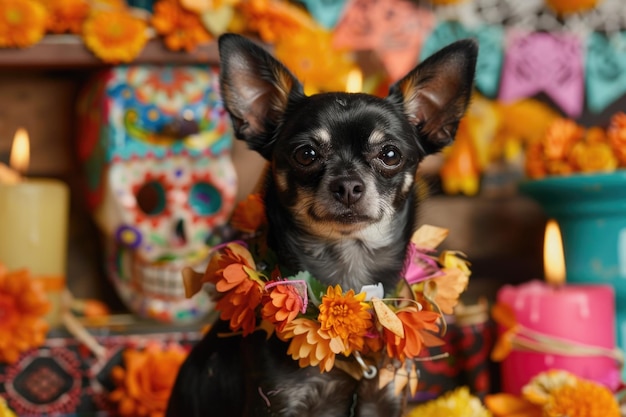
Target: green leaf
<point x="315" y="288"/>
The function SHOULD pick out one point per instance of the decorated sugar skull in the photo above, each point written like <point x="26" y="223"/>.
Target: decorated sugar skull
<point x="155" y="143"/>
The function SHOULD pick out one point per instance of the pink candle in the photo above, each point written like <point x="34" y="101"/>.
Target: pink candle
<point x="577" y="316"/>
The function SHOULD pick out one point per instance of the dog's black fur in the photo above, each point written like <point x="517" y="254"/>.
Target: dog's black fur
<point x="341" y="203"/>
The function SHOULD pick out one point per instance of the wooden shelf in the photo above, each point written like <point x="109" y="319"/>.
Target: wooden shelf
<point x="69" y="52"/>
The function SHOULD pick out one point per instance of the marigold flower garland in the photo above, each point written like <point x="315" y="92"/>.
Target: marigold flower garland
<point x="321" y="323"/>
<point x="23" y="305"/>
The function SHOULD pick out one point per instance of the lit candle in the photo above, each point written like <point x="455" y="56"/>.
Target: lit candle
<point x="33" y="224"/>
<point x="569" y="327"/>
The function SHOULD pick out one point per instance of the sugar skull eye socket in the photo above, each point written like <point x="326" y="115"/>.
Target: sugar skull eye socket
<point x="205" y="199"/>
<point x="151" y="198"/>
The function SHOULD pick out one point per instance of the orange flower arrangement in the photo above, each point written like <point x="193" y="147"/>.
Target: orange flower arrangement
<point x="569" y="148"/>
<point x="22" y="23"/>
<point x="181" y="29"/>
<point x="115" y="36"/>
<point x="144" y="383"/>
<point x="66" y="15"/>
<point x="23" y="305"/>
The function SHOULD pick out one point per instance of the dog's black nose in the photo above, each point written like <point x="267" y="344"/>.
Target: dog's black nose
<point x="347" y="190"/>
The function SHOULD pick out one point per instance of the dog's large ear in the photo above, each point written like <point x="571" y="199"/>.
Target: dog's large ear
<point x="435" y="95"/>
<point x="255" y="88"/>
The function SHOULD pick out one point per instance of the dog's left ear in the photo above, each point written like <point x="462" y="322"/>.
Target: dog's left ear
<point x="256" y="89"/>
<point x="435" y="95"/>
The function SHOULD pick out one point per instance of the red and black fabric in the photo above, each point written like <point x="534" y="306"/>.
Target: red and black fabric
<point x="63" y="378"/>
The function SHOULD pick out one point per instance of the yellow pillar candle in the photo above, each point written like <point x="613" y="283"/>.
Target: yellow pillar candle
<point x="33" y="233"/>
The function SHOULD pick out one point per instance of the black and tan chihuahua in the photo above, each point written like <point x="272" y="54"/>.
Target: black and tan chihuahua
<point x="341" y="203"/>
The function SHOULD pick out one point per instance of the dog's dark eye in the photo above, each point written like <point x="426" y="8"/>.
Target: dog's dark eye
<point x="305" y="155"/>
<point x="390" y="155"/>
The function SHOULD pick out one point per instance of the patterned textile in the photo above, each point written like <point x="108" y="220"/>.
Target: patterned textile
<point x="63" y="378"/>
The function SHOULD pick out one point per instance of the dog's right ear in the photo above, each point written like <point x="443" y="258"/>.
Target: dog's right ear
<point x="255" y="88"/>
<point x="435" y="94"/>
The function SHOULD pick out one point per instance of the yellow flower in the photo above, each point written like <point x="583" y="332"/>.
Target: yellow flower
<point x="593" y="157"/>
<point x="115" y="36"/>
<point x="22" y="23"/>
<point x="23" y="305"/>
<point x="457" y="403"/>
<point x="345" y="316"/>
<point x="5" y="411"/>
<point x="542" y="386"/>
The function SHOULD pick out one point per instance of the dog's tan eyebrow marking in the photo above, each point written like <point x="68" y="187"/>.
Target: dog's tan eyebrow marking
<point x="376" y="137"/>
<point x="322" y="135"/>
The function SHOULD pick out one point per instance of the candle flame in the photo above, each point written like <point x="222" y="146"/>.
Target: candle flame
<point x="355" y="81"/>
<point x="553" y="257"/>
<point x="20" y="151"/>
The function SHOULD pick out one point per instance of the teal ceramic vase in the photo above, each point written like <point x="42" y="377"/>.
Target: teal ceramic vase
<point x="591" y="212"/>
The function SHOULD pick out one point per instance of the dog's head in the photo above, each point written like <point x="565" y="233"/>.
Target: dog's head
<point x="343" y="165"/>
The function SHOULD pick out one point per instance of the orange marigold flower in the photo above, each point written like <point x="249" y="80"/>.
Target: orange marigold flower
<point x="284" y="304"/>
<point x="583" y="399"/>
<point x="239" y="306"/>
<point x="310" y="345"/>
<point x="345" y="316"/>
<point x="535" y="165"/>
<point x="563" y="7"/>
<point x="23" y="305"/>
<point x="230" y="267"/>
<point x="66" y="15"/>
<point x="616" y="134"/>
<point x="249" y="214"/>
<point x="593" y="157"/>
<point x="275" y="19"/>
<point x="144" y="383"/>
<point x="22" y="23"/>
<point x="417" y="325"/>
<point x="309" y="53"/>
<point x="560" y="137"/>
<point x="234" y="274"/>
<point x="180" y="28"/>
<point x="115" y="36"/>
